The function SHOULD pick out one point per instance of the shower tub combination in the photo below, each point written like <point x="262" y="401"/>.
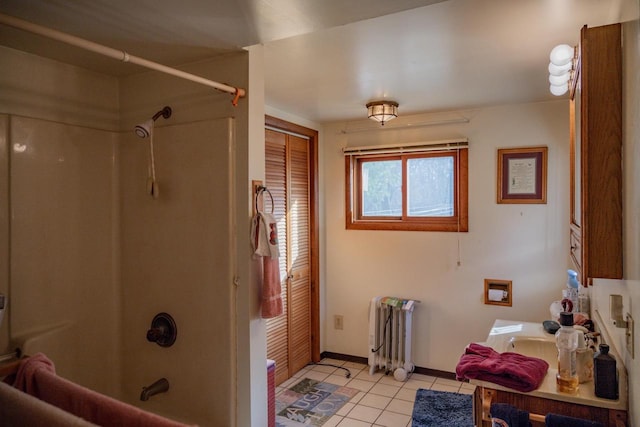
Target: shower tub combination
<point x="97" y="250"/>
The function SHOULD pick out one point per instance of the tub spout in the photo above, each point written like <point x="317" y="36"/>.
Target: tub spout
<point x="160" y="386"/>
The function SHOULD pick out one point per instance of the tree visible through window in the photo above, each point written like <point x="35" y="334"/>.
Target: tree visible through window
<point x="420" y="191"/>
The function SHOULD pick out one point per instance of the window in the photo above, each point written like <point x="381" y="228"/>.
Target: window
<point x="424" y="189"/>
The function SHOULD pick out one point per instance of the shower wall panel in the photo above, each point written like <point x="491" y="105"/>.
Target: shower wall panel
<point x="177" y="258"/>
<point x="64" y="293"/>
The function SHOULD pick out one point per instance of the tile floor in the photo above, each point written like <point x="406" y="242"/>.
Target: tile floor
<point x="382" y="400"/>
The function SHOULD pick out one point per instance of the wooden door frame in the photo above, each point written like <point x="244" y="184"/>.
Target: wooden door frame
<point x="282" y="125"/>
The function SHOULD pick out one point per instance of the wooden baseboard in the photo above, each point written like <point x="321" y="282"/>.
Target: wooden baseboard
<point x="358" y="359"/>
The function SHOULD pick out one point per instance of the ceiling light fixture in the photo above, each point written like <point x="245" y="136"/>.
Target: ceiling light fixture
<point x="561" y="68"/>
<point x="382" y="111"/>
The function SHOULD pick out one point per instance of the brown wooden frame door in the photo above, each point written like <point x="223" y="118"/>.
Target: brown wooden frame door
<point x="291" y="176"/>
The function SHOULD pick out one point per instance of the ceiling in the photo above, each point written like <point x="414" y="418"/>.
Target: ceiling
<point x="325" y="59"/>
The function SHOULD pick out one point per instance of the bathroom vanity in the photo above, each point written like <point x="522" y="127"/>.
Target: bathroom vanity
<point x="530" y="339"/>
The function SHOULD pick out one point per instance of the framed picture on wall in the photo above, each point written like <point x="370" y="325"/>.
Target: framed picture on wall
<point x="522" y="175"/>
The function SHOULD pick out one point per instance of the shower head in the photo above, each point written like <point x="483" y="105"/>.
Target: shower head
<point x="143" y="130"/>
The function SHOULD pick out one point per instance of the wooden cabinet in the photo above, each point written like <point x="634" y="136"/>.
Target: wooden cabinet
<point x="538" y="407"/>
<point x="596" y="155"/>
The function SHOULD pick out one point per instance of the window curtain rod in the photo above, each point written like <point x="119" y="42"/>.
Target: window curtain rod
<point x="450" y="144"/>
<point x="120" y="55"/>
<point x="406" y="126"/>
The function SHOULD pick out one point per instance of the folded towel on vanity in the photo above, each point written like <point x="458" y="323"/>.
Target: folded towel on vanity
<point x="264" y="237"/>
<point x="36" y="376"/>
<point x="512" y="416"/>
<point x="555" y="420"/>
<point x="513" y="370"/>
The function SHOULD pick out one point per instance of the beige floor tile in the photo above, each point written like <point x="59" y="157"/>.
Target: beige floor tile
<point x="388" y="379"/>
<point x="314" y="375"/>
<point x="407" y="394"/>
<point x="415" y="384"/>
<point x="444" y="381"/>
<point x="333" y="421"/>
<point x="445" y="387"/>
<point x="400" y="406"/>
<point x="337" y="379"/>
<point x="364" y="413"/>
<point x="349" y="422"/>
<point x="422" y="377"/>
<point x="381" y="400"/>
<point x="375" y="401"/>
<point x="361" y="385"/>
<point x="385" y="390"/>
<point x="291" y="381"/>
<point x="466" y="387"/>
<point x="324" y="368"/>
<point x="354" y="365"/>
<point x="333" y="361"/>
<point x="358" y="397"/>
<point x="392" y="419"/>
<point x="345" y="409"/>
<point x="364" y="375"/>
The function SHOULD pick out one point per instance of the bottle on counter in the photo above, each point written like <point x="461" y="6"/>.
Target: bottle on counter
<point x="567" y="342"/>
<point x="584" y="305"/>
<point x="572" y="288"/>
<point x="605" y="374"/>
<point x="584" y="360"/>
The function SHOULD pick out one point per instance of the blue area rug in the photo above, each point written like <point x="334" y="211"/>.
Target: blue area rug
<point x="441" y="408"/>
<point x="310" y="403"/>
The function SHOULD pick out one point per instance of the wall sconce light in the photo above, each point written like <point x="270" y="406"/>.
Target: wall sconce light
<point x="561" y="68"/>
<point x="382" y="111"/>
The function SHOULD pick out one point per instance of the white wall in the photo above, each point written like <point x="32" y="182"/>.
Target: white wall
<point x="527" y="244"/>
<point x="631" y="203"/>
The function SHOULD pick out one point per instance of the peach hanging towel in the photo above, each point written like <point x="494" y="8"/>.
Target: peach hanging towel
<point x="264" y="238"/>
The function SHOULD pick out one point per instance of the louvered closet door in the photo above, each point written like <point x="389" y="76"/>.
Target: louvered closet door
<point x="287" y="177"/>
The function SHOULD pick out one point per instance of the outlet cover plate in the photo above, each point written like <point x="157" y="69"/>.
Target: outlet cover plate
<point x="629" y="335"/>
<point x="338" y="322"/>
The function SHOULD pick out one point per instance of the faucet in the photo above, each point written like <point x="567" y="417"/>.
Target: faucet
<point x="160" y="386"/>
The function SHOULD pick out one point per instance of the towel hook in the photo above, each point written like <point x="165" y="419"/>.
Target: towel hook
<point x="260" y="190"/>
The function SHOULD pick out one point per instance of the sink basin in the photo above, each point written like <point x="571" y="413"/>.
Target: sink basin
<point x="534" y="347"/>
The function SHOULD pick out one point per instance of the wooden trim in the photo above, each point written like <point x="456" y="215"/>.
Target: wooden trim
<point x="458" y="223"/>
<point x="601" y="152"/>
<point x="314" y="226"/>
<point x="500" y="285"/>
<point x="541" y="406"/>
<point x="504" y="155"/>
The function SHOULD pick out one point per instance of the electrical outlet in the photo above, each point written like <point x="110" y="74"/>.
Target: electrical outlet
<point x="338" y="322"/>
<point x="629" y="334"/>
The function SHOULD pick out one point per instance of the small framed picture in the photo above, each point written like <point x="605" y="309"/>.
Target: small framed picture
<point x="497" y="292"/>
<point x="522" y="175"/>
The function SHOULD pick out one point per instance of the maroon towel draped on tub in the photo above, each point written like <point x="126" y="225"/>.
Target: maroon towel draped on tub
<point x="36" y="376"/>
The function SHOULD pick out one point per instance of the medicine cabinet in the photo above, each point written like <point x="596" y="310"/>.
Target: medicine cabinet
<point x="596" y="155"/>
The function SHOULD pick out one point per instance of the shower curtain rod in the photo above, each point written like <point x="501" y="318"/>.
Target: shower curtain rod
<point x="120" y="55"/>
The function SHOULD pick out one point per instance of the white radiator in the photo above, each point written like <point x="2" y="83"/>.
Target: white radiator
<point x="390" y="336"/>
